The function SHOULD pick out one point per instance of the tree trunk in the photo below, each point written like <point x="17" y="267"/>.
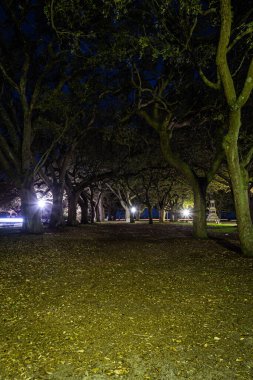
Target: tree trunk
<point x="199" y="214"/>
<point x="72" y="208"/>
<point x="92" y="212"/>
<point x="173" y="216"/>
<point x="199" y="217"/>
<point x="150" y="218"/>
<point x="161" y="215"/>
<point x="56" y="218"/>
<point x="30" y="211"/>
<point x="83" y="203"/>
<point x="128" y="214"/>
<point x="239" y="182"/>
<point x="100" y="214"/>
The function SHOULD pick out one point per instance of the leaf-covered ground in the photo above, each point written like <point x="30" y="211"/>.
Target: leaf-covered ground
<point x="124" y="301"/>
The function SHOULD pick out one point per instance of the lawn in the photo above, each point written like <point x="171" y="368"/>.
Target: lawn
<point x="114" y="301"/>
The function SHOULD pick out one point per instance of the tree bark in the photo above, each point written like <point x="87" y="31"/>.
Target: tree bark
<point x="56" y="218"/>
<point x="84" y="204"/>
<point x="197" y="184"/>
<point x="199" y="215"/>
<point x="150" y="218"/>
<point x="72" y="208"/>
<point x="237" y="169"/>
<point x="100" y="214"/>
<point x="127" y="214"/>
<point x="161" y="215"/>
<point x="30" y="211"/>
<point x="239" y="180"/>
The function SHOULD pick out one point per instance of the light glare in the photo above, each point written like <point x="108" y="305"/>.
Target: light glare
<point x="186" y="213"/>
<point x="133" y="209"/>
<point x="41" y="203"/>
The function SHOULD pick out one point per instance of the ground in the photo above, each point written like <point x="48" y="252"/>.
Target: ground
<point x="125" y="301"/>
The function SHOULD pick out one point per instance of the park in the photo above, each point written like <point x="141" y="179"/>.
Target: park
<point x="126" y="189"/>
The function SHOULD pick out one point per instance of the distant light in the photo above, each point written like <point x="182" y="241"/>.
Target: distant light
<point x="133" y="209"/>
<point x="186" y="213"/>
<point x="41" y="203"/>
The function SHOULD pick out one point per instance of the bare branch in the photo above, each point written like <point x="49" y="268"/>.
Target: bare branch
<point x="215" y="86"/>
<point x="249" y="30"/>
<point x="8" y="78"/>
<point x="248" y="86"/>
<point x="44" y="157"/>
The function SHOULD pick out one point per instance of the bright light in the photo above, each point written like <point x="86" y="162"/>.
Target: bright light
<point x="41" y="203"/>
<point x="186" y="213"/>
<point x="133" y="209"/>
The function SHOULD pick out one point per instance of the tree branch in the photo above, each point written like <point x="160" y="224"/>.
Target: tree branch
<point x="248" y="86"/>
<point x="215" y="86"/>
<point x="44" y="157"/>
<point x="221" y="58"/>
<point x="241" y="35"/>
<point x="9" y="79"/>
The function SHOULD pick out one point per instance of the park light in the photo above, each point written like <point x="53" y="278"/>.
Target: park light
<point x="41" y="203"/>
<point x="133" y="209"/>
<point x="186" y="213"/>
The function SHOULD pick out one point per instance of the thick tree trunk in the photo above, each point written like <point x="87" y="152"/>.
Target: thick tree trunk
<point x="72" y="208"/>
<point x="84" y="204"/>
<point x="100" y="214"/>
<point x="56" y="218"/>
<point x="161" y="215"/>
<point x="238" y="173"/>
<point x="150" y="218"/>
<point x="92" y="207"/>
<point x="199" y="190"/>
<point x="239" y="182"/>
<point x="173" y="216"/>
<point x="92" y="212"/>
<point x="30" y="210"/>
<point x="127" y="214"/>
<point x="199" y="214"/>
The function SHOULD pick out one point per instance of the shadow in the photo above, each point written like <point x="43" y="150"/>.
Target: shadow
<point x="234" y="247"/>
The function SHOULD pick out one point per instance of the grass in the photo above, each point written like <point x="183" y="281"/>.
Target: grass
<point x="224" y="228"/>
<point x="124" y="301"/>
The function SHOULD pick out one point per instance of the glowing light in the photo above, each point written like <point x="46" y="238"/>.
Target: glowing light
<point x="133" y="209"/>
<point x="41" y="203"/>
<point x="186" y="213"/>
